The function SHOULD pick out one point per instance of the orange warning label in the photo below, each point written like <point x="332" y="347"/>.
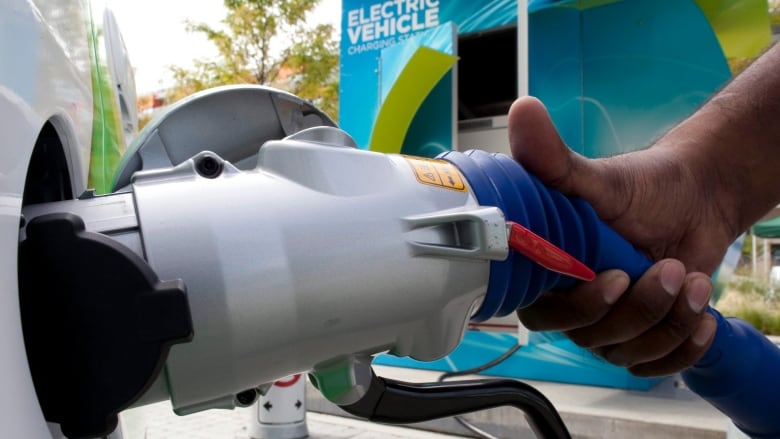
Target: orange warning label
<point x="437" y="173"/>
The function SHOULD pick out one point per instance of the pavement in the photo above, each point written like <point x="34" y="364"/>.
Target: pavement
<point x="157" y="421"/>
<point x="668" y="410"/>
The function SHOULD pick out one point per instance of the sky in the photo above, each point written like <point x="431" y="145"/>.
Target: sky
<point x="156" y="38"/>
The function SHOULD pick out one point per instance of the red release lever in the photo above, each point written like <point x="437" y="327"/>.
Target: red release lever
<point x="546" y="254"/>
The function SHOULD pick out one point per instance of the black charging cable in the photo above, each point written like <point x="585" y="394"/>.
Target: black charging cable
<point x="395" y="402"/>
<point x="472" y="371"/>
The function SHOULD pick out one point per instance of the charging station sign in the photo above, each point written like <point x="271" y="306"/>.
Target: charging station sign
<point x="370" y="26"/>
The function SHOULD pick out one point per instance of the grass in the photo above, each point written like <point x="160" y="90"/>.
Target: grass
<point x="753" y="302"/>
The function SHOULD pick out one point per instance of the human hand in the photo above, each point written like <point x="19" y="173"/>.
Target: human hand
<point x="656" y="200"/>
<point x="659" y="327"/>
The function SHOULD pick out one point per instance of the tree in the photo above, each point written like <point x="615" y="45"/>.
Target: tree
<point x="267" y="42"/>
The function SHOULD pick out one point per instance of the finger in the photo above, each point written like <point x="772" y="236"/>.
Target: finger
<point x="645" y="305"/>
<point x="536" y="144"/>
<point x="685" y="356"/>
<point x="579" y="306"/>
<point x="660" y="340"/>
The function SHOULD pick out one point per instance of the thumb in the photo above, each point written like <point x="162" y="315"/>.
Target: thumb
<point x="536" y="144"/>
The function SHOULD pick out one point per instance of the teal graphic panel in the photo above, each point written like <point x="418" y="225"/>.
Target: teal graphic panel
<point x="413" y="73"/>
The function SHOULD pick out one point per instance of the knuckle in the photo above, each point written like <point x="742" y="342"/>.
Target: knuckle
<point x="531" y="325"/>
<point x="642" y="371"/>
<point x="685" y="357"/>
<point x="681" y="358"/>
<point x="530" y="320"/>
<point x="678" y="329"/>
<point x="583" y="339"/>
<point x="582" y="317"/>
<point x="650" y="312"/>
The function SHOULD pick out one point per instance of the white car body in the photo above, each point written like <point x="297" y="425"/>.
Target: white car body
<point x="58" y="61"/>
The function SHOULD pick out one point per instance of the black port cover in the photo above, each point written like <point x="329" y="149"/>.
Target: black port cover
<point x="97" y="321"/>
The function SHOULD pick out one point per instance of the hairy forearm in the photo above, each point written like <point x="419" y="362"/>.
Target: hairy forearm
<point x="733" y="142"/>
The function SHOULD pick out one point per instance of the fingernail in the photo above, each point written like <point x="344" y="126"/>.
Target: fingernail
<point x="672" y="276"/>
<point x="615" y="286"/>
<point x="704" y="332"/>
<point x="699" y="294"/>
